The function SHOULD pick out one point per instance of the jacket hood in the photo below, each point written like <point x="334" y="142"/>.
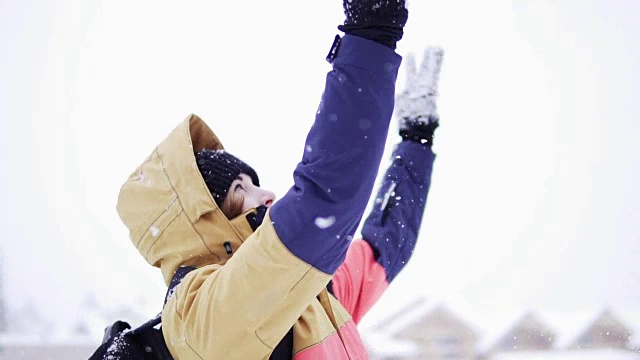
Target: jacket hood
<point x="172" y="218"/>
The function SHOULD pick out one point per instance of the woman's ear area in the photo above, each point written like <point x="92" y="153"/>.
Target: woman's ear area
<point x="232" y="206"/>
<point x="254" y="196"/>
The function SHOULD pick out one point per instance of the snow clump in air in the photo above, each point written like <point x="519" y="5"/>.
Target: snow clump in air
<point x="154" y="231"/>
<point x="324" y="223"/>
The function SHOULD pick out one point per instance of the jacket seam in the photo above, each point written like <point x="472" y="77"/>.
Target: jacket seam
<point x="164" y="170"/>
<point x="333" y="332"/>
<point x="184" y="331"/>
<point x="162" y="233"/>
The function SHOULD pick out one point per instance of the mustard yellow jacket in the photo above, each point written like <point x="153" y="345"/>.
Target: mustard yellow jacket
<point x="240" y="305"/>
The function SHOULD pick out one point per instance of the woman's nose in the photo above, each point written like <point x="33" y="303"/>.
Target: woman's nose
<point x="268" y="198"/>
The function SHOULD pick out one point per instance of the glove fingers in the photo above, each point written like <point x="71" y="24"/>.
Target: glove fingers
<point x="417" y="103"/>
<point x="429" y="74"/>
<point x="411" y="71"/>
<point x="432" y="58"/>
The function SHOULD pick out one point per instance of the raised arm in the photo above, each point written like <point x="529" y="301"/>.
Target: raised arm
<point x="391" y="229"/>
<point x="334" y="180"/>
<point x="249" y="304"/>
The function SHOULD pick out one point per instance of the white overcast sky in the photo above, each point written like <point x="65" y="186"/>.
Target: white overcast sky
<point x="534" y="202"/>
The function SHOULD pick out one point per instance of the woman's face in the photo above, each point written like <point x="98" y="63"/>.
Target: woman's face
<point x="253" y="196"/>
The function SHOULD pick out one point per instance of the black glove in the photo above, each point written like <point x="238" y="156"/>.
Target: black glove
<point x="378" y="20"/>
<point x="420" y="131"/>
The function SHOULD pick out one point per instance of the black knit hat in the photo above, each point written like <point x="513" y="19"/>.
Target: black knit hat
<point x="219" y="169"/>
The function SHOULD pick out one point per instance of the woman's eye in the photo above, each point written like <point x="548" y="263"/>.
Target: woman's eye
<point x="238" y="187"/>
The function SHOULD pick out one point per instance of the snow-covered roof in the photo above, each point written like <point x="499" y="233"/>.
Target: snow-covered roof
<point x="567" y="326"/>
<point x="632" y="319"/>
<point x="492" y="324"/>
<point x="411" y="313"/>
<point x="386" y="346"/>
<point x="28" y="327"/>
<point x="406" y="317"/>
<point x="595" y="354"/>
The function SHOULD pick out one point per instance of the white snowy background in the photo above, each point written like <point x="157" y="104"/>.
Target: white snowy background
<point x="534" y="202"/>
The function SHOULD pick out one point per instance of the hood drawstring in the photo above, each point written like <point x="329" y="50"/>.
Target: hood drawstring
<point x="227" y="247"/>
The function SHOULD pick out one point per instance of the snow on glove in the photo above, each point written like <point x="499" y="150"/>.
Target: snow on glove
<point x="415" y="107"/>
<point x="378" y="20"/>
<point x="375" y="12"/>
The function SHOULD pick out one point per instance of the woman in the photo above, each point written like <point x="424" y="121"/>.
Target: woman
<point x="295" y="284"/>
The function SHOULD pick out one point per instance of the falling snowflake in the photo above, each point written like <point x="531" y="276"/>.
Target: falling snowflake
<point x="365" y="124"/>
<point x="324" y="223"/>
<point x="139" y="177"/>
<point x="154" y="231"/>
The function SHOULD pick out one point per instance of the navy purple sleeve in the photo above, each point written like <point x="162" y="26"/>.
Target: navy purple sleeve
<point x="393" y="225"/>
<point x="318" y="216"/>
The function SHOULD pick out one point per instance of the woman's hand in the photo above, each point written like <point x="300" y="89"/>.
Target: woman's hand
<point x="417" y="102"/>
